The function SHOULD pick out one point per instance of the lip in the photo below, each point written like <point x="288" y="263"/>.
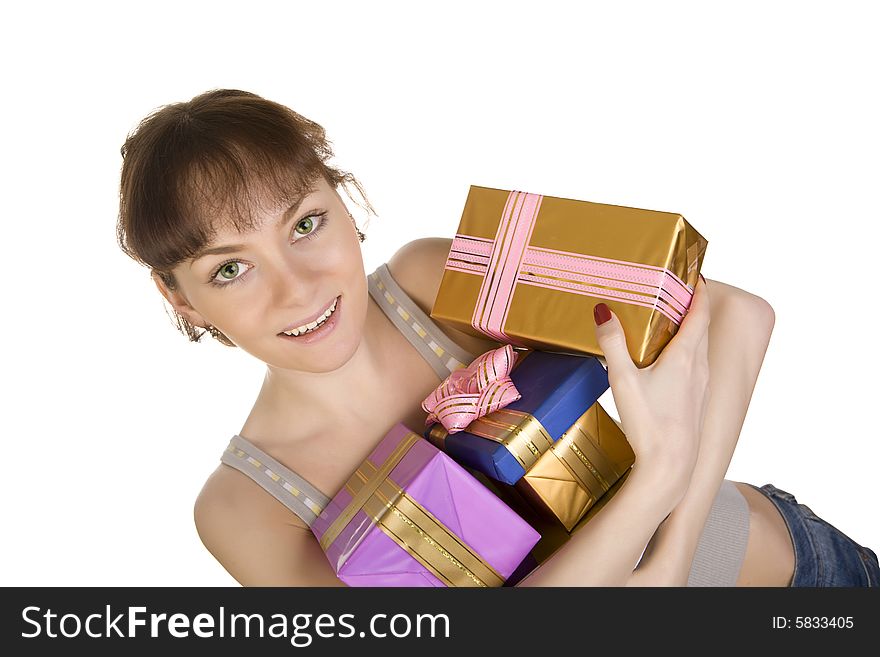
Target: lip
<point x="322" y="331"/>
<point x="310" y="319"/>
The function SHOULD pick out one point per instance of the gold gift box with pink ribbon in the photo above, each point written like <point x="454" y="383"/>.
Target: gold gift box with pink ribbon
<point x="527" y="270"/>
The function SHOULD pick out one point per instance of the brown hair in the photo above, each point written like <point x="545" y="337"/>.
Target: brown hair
<point x="192" y="168"/>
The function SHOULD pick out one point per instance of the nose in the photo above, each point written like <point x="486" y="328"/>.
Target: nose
<point x="292" y="284"/>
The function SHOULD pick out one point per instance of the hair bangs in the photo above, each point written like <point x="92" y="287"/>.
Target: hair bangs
<point x="235" y="186"/>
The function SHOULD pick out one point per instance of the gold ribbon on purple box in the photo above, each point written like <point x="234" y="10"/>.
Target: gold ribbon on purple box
<point x="471" y="392"/>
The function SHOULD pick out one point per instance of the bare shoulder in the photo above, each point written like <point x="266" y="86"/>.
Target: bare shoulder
<point x="258" y="540"/>
<point x="417" y="267"/>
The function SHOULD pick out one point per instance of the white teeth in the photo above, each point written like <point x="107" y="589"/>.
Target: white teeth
<point x="313" y="325"/>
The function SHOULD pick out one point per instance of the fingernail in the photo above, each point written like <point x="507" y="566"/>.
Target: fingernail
<point x="601" y="313"/>
<point x="703" y="277"/>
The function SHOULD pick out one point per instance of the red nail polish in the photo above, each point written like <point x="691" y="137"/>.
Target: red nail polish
<point x="601" y="313"/>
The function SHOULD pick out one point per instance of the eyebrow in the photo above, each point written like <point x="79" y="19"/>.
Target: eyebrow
<point x="232" y="248"/>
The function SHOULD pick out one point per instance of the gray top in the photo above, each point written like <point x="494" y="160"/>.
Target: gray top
<point x="722" y="544"/>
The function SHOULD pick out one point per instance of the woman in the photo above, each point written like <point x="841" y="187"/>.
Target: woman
<point x="229" y="200"/>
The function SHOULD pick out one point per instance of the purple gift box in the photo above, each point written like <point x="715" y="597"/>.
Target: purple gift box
<point x="411" y="516"/>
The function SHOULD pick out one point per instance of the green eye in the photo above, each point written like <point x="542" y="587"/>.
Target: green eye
<point x="230" y="268"/>
<point x="232" y="272"/>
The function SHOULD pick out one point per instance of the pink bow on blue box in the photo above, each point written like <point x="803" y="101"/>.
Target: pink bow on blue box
<point x="499" y="419"/>
<point x="473" y="391"/>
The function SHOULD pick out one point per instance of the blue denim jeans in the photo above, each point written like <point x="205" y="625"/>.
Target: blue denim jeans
<point x="823" y="555"/>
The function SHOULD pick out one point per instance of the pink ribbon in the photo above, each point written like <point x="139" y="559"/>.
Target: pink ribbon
<point x="471" y="392"/>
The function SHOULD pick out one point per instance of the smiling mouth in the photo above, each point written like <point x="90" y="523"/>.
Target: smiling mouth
<point x="314" y="325"/>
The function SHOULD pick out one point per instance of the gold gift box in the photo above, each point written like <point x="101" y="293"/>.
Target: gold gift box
<point x="578" y="469"/>
<point x="555" y="500"/>
<point x="553" y="534"/>
<point x="528" y="269"/>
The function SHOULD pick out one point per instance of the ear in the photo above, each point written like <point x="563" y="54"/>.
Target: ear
<point x="179" y="302"/>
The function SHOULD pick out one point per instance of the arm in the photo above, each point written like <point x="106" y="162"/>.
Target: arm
<point x="662" y="409"/>
<point x="258" y="540"/>
<point x="614" y="538"/>
<point x="739" y="333"/>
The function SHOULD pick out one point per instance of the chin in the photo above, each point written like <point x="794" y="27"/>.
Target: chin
<point x="328" y="355"/>
<point x="321" y="361"/>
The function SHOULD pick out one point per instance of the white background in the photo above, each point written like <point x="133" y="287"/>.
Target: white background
<point x="754" y="120"/>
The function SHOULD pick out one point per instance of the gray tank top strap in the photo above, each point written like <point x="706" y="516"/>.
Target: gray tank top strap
<point x="284" y="484"/>
<point x="435" y="347"/>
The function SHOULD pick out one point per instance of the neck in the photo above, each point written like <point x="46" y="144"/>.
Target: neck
<point x="343" y="393"/>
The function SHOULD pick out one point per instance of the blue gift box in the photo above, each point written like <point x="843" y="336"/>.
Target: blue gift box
<point x="556" y="390"/>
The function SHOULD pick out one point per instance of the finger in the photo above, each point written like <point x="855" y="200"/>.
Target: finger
<point x="703" y="354"/>
<point x="611" y="339"/>
<point x="695" y="323"/>
<point x="703" y="347"/>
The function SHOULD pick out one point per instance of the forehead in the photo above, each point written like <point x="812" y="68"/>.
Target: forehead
<point x="264" y="206"/>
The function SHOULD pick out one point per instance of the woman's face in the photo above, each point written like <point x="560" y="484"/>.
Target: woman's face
<point x="300" y="265"/>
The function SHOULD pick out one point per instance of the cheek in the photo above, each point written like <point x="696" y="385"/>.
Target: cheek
<point x="342" y="257"/>
<point x="238" y="308"/>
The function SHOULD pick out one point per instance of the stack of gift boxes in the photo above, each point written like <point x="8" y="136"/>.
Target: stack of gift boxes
<point x="518" y="454"/>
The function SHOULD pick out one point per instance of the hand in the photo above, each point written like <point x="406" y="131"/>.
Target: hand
<point x="662" y="406"/>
